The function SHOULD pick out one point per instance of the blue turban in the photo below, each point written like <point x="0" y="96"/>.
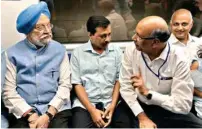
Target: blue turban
<point x="29" y="17"/>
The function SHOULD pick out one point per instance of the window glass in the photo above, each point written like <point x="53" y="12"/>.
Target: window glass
<point x="69" y="16"/>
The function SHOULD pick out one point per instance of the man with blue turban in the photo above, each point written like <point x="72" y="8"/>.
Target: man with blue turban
<point x="37" y="82"/>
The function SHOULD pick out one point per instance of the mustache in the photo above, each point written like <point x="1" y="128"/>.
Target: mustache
<point x="46" y="35"/>
<point x="106" y="42"/>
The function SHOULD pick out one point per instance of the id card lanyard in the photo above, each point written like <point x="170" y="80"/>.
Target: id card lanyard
<point x="158" y="74"/>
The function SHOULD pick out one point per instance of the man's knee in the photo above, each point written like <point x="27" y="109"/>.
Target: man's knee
<point x="194" y="121"/>
<point x="123" y="117"/>
<point x="61" y="120"/>
<point x="81" y="118"/>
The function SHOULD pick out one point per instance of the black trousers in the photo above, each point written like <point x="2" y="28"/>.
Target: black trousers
<point x="61" y="120"/>
<point x="81" y="118"/>
<point x="164" y="118"/>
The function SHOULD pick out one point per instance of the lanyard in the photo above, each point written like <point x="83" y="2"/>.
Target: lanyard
<point x="158" y="75"/>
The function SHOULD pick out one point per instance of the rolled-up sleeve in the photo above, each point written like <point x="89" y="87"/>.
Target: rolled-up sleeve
<point x="12" y="100"/>
<point x="127" y="91"/>
<point x="76" y="77"/>
<point x="63" y="93"/>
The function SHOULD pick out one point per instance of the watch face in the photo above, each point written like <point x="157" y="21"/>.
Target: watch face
<point x="149" y="96"/>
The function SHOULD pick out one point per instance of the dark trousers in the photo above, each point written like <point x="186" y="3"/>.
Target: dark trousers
<point x="61" y="120"/>
<point x="81" y="118"/>
<point x="166" y="119"/>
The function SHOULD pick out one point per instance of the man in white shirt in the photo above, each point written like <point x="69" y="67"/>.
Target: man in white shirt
<point x="155" y="79"/>
<point x="181" y="24"/>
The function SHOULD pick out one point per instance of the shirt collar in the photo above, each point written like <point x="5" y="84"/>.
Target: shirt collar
<point x="88" y="47"/>
<point x="174" y="40"/>
<point x="163" y="54"/>
<point x="32" y="46"/>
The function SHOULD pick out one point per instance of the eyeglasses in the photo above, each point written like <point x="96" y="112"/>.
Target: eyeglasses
<point x="140" y="38"/>
<point x="41" y="27"/>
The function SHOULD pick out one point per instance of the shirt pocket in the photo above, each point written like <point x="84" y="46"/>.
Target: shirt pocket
<point x="165" y="86"/>
<point x="110" y="74"/>
<point x="54" y="74"/>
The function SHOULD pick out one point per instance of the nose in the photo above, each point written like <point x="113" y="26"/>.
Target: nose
<point x="108" y="38"/>
<point x="180" y="27"/>
<point x="47" y="29"/>
<point x="134" y="37"/>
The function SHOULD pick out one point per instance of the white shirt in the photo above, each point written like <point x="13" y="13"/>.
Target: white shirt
<point x="175" y="95"/>
<point x="190" y="49"/>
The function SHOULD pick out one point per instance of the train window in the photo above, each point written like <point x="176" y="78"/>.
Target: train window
<point x="69" y="16"/>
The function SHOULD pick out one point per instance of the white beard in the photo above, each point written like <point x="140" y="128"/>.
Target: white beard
<point x="38" y="43"/>
<point x="42" y="42"/>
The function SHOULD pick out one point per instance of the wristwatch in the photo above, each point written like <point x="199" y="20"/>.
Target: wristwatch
<point x="29" y="114"/>
<point x="49" y="115"/>
<point x="149" y="96"/>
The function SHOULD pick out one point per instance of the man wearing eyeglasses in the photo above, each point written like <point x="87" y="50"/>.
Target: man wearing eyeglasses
<point x="181" y="23"/>
<point x="95" y="72"/>
<point x="37" y="85"/>
<point x="155" y="80"/>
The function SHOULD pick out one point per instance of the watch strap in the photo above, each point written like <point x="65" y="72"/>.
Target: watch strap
<point x="49" y="115"/>
<point x="149" y="96"/>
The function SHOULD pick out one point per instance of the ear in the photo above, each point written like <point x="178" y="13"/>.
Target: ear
<point x="155" y="43"/>
<point x="89" y="34"/>
<point x="192" y="23"/>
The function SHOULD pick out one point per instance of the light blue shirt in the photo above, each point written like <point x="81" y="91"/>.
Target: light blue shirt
<point x="96" y="72"/>
<point x="197" y="80"/>
<point x="200" y="64"/>
<point x="197" y="77"/>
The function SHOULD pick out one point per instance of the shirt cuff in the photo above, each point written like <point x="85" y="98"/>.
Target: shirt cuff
<point x="157" y="98"/>
<point x="19" y="110"/>
<point x="57" y="103"/>
<point x="136" y="108"/>
<point x="75" y="82"/>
